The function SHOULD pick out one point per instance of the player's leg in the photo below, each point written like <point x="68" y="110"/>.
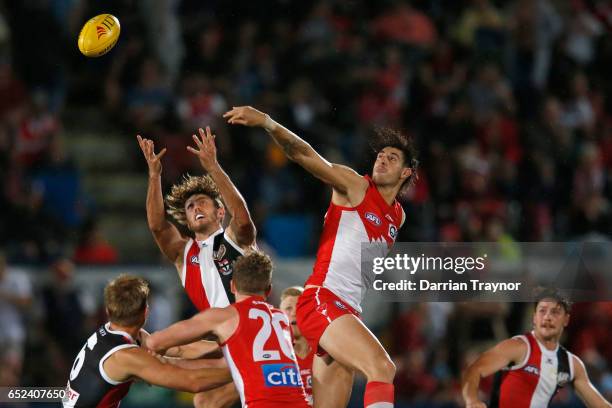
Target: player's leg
<point x="332" y="383"/>
<point x="221" y="397"/>
<point x="349" y="342"/>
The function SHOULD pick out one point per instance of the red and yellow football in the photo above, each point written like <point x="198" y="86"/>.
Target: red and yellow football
<point x="99" y="35"/>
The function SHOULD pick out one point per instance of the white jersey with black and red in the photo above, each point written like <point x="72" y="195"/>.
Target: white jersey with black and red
<point x="338" y="263"/>
<point x="534" y="381"/>
<point x="207" y="270"/>
<point x="261" y="358"/>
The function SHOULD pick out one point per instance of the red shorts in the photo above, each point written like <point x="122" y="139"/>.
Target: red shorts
<point x="316" y="308"/>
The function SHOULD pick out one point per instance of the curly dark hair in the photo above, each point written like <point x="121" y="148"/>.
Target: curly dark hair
<point x="387" y="137"/>
<point x="252" y="273"/>
<point x="181" y="192"/>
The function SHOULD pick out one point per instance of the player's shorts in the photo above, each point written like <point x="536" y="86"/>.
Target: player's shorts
<point x="316" y="309"/>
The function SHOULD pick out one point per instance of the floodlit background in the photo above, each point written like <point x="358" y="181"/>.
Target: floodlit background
<point x="508" y="102"/>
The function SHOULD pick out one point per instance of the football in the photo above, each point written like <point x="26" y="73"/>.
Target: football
<point x="99" y="35"/>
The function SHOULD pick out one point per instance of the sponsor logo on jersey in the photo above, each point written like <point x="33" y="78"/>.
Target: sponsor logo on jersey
<point x="373" y="218"/>
<point x="281" y="375"/>
<point x="195" y="260"/>
<point x="531" y="370"/>
<point x="392" y="231"/>
<point x="563" y="378"/>
<point x="339" y="305"/>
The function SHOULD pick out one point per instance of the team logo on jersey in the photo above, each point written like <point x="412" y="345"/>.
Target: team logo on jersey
<point x="339" y="305"/>
<point x="102" y="331"/>
<point x="195" y="260"/>
<point x="322" y="308"/>
<point x="531" y="370"/>
<point x="392" y="231"/>
<point x="281" y="375"/>
<point x="224" y="267"/>
<point x="220" y="253"/>
<point x="373" y="218"/>
<point x="563" y="378"/>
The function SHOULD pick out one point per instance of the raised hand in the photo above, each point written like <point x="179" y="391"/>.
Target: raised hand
<point x="245" y="115"/>
<point x="206" y="150"/>
<point x="153" y="160"/>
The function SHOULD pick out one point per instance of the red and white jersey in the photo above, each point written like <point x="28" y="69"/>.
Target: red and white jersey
<point x="261" y="358"/>
<point x="338" y="264"/>
<point x="207" y="270"/>
<point x="534" y="382"/>
<point x="305" y="365"/>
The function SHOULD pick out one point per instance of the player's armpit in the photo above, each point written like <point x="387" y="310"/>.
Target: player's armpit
<point x="138" y="363"/>
<point x="585" y="389"/>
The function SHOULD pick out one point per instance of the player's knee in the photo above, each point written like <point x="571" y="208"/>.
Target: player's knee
<point x="382" y="369"/>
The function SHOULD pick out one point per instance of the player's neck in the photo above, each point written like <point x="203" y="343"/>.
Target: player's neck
<point x="550" y="344"/>
<point x="204" y="235"/>
<point x="388" y="193"/>
<point x="132" y="331"/>
<point x="241" y="296"/>
<point x="301" y="347"/>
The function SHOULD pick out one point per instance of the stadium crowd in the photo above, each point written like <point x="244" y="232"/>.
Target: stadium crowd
<point x="509" y="102"/>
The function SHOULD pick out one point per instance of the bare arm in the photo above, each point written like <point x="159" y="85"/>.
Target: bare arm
<point x="167" y="236"/>
<point x="585" y="390"/>
<point x="190" y="330"/>
<point x="502" y="355"/>
<point x="343" y="179"/>
<point x="241" y="228"/>
<point x="136" y="362"/>
<point x="194" y="350"/>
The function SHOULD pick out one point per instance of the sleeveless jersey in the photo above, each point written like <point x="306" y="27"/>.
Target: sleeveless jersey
<point x="305" y="365"/>
<point x="207" y="270"/>
<point x="533" y="382"/>
<point x="88" y="385"/>
<point x="338" y="263"/>
<point x="261" y="358"/>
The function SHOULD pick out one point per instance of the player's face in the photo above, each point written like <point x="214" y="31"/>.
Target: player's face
<point x="549" y="320"/>
<point x="288" y="307"/>
<point x="201" y="213"/>
<point x="389" y="168"/>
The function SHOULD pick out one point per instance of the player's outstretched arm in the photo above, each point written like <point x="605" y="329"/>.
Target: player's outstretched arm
<point x="195" y="350"/>
<point x="507" y="352"/>
<point x="136" y="362"/>
<point x="585" y="390"/>
<point x="190" y="330"/>
<point x="167" y="236"/>
<point x="241" y="228"/>
<point x="343" y="179"/>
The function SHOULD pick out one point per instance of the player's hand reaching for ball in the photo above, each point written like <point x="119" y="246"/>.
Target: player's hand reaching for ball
<point x="245" y="115"/>
<point x="153" y="160"/>
<point x="206" y="150"/>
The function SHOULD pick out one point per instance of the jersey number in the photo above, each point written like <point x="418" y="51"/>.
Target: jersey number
<point x="80" y="359"/>
<point x="259" y="354"/>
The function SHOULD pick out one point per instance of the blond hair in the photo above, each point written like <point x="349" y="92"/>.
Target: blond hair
<point x="190" y="186"/>
<point x="252" y="273"/>
<point x="125" y="299"/>
<point x="291" y="291"/>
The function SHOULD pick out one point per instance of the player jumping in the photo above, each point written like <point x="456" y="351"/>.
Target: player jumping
<point x="112" y="358"/>
<point x="204" y="262"/>
<point x="255" y="337"/>
<point x="362" y="209"/>
<point x="532" y="367"/>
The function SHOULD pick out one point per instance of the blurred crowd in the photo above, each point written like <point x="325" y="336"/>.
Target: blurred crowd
<point x="508" y="103"/>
